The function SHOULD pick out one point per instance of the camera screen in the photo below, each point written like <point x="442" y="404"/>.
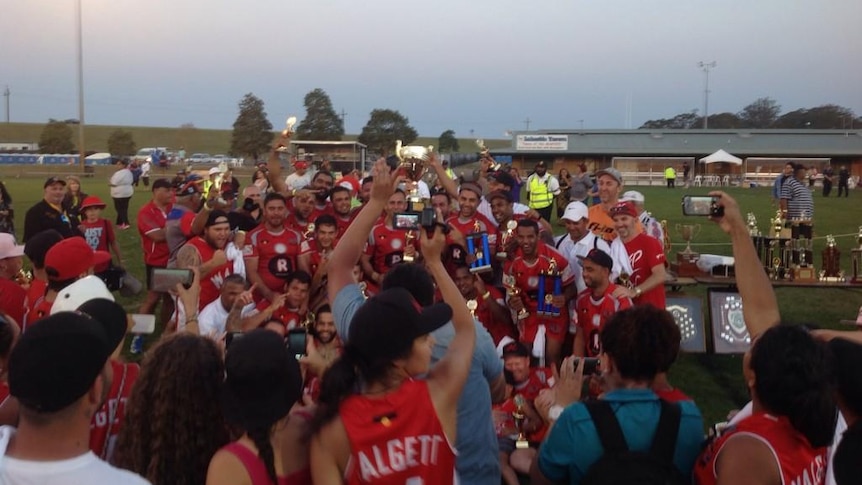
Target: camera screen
<point x="697" y="205"/>
<point x="406" y="221"/>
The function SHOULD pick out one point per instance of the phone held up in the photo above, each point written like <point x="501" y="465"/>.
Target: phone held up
<point x="701" y="205"/>
<point x="166" y="279"/>
<point x="296" y="341"/>
<point x="591" y="365"/>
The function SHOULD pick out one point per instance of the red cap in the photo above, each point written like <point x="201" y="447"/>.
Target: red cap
<point x="626" y="208"/>
<point x="92" y="201"/>
<point x="300" y="165"/>
<point x="72" y="257"/>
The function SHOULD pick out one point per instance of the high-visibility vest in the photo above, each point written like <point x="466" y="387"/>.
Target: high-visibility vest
<point x="669" y="173"/>
<point x="450" y="173"/>
<point x="540" y="196"/>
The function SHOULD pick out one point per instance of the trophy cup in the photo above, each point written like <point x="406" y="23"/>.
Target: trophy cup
<point x="686" y="260"/>
<point x="413" y="160"/>
<point x="505" y="237"/>
<point x="831" y="261"/>
<point x="753" y="231"/>
<point x="472" y="305"/>
<point x="520" y="417"/>
<point x="484" y="152"/>
<point x="480" y="248"/>
<point x="803" y="271"/>
<point x="512" y="290"/>
<point x="778" y="230"/>
<point x="287" y="132"/>
<point x="408" y="241"/>
<point x="546" y="300"/>
<point x="856" y="258"/>
<point x="625" y="280"/>
<point x="309" y="231"/>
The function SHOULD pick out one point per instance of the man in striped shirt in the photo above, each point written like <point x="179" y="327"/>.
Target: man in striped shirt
<point x="796" y="200"/>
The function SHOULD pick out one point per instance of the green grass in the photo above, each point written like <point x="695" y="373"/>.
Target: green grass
<point x="714" y="381"/>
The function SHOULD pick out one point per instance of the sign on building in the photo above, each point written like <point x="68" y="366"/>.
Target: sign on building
<point x="542" y="142"/>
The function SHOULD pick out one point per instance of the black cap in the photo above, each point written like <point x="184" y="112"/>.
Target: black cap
<point x="162" y="184"/>
<point x="57" y="360"/>
<point x="52" y="181"/>
<point x="500" y="194"/>
<point x="188" y="188"/>
<point x="216" y="217"/>
<point x="263" y="380"/>
<point x="515" y="349"/>
<point x="503" y="177"/>
<point x="37" y="246"/>
<point x="111" y="315"/>
<point x="599" y="257"/>
<point x="386" y="324"/>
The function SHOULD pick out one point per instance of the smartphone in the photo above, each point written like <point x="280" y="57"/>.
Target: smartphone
<point x="591" y="365"/>
<point x="143" y="323"/>
<point x="166" y="279"/>
<point x="296" y="341"/>
<point x="231" y="338"/>
<point x="701" y="205"/>
<point x="407" y="221"/>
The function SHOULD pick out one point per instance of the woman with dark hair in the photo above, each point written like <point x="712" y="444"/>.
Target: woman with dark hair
<point x="565" y="179"/>
<point x="261" y="180"/>
<point x="7" y="214"/>
<point x="263" y="383"/>
<point x="174" y="424"/>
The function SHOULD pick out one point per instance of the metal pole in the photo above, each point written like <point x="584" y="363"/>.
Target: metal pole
<point x="80" y="86"/>
<point x="6" y="93"/>
<point x="705" y="66"/>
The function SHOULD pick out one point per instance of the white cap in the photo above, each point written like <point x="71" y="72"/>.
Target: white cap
<point x="634" y="196"/>
<point x="80" y="292"/>
<point x="576" y="211"/>
<point x="214" y="171"/>
<point x="8" y="248"/>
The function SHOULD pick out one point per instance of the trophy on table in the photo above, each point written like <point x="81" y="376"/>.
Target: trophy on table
<point x="505" y="237"/>
<point x="413" y="160"/>
<point x="803" y="270"/>
<point x="831" y="270"/>
<point x="753" y="231"/>
<point x="777" y="229"/>
<point x="686" y="260"/>
<point x="520" y="418"/>
<point x="546" y="300"/>
<point x="513" y="290"/>
<point x="480" y="248"/>
<point x="856" y="258"/>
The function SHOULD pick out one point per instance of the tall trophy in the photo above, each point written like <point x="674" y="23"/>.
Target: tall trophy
<point x="856" y="258"/>
<point x="520" y="418"/>
<point x="513" y="290"/>
<point x="505" y="237"/>
<point x="546" y="300"/>
<point x="753" y="231"/>
<point x="480" y="248"/>
<point x="831" y="269"/>
<point x="686" y="260"/>
<point x="408" y="241"/>
<point x="484" y="153"/>
<point x="803" y="270"/>
<point x="287" y="132"/>
<point x="413" y="159"/>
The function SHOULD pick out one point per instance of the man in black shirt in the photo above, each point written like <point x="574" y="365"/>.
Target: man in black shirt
<point x="843" y="181"/>
<point x="828" y="173"/>
<point x="48" y="213"/>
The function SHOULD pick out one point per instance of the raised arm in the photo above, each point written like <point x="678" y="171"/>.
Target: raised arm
<point x="447" y="183"/>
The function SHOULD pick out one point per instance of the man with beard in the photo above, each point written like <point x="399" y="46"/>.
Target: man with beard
<point x="300" y="217"/>
<point x="321" y="184"/>
<point x="441" y="201"/>
<point x="542" y="188"/>
<point x="341" y="200"/>
<point x="179" y="226"/>
<point x="610" y="183"/>
<point x="248" y="216"/>
<point x="388" y="246"/>
<point x="206" y="253"/>
<point x="468" y="220"/>
<point x="325" y="348"/>
<point x="48" y="213"/>
<point x="646" y="256"/>
<point x="271" y="249"/>
<point x="524" y="273"/>
<point x="314" y="256"/>
<point x="490" y="306"/>
<point x="597" y="303"/>
<point x="502" y="207"/>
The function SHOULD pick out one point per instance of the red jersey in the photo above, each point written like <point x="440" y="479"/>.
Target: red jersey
<point x="275" y="252"/>
<point x="98" y="235"/>
<point x="41" y="309"/>
<point x="321" y="210"/>
<point x="386" y="246"/>
<point x="34" y="294"/>
<point x="644" y="253"/>
<point x="106" y="423"/>
<point x="397" y="439"/>
<point x="496" y="328"/>
<point x="797" y="461"/>
<point x="290" y="317"/>
<point x="343" y="223"/>
<point x="309" y="246"/>
<point x="593" y="314"/>
<point x="475" y="224"/>
<point x="211" y="283"/>
<point x="527" y="277"/>
<point x="292" y="222"/>
<point x="151" y="218"/>
<point x="13" y="300"/>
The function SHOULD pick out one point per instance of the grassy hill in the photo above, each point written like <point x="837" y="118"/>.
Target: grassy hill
<point x="193" y="139"/>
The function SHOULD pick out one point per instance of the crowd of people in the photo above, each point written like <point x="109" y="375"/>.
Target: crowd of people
<point x="319" y="340"/>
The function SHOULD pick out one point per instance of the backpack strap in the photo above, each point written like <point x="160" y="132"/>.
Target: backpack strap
<point x="560" y="241"/>
<point x="607" y="426"/>
<point x="664" y="442"/>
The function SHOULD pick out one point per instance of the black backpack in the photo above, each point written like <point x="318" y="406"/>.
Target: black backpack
<point x="619" y="465"/>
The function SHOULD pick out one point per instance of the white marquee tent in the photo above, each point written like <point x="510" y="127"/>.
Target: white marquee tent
<point x="721" y="156"/>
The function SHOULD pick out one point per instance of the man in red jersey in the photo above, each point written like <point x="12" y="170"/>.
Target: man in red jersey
<point x="487" y="305"/>
<point x="468" y="220"/>
<point x="151" y="226"/>
<point x="36" y="249"/>
<point x="441" y="201"/>
<point x="388" y="246"/>
<point x="597" y="303"/>
<point x="526" y="273"/>
<point x="314" y="256"/>
<point x="647" y="258"/>
<point x="341" y="200"/>
<point x="321" y="184"/>
<point x="13" y="297"/>
<point x="503" y="209"/>
<point x="206" y="253"/>
<point x="271" y="249"/>
<point x="299" y="217"/>
<point x="292" y="309"/>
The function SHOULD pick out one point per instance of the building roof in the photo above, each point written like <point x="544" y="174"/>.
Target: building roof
<point x="327" y="143"/>
<point x="743" y="143"/>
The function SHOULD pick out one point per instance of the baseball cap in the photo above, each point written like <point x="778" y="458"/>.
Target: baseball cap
<point x="576" y="211"/>
<point x="503" y="178"/>
<point x="92" y="201"/>
<point x="57" y="359"/>
<point x="387" y="323"/>
<point x="634" y="196"/>
<point x="578" y="192"/>
<point x="501" y="194"/>
<point x="214" y="171"/>
<point x="71" y="257"/>
<point x="471" y="187"/>
<point x="37" y="246"/>
<point x="52" y="181"/>
<point x="79" y="292"/>
<point x="301" y="165"/>
<point x="161" y="184"/>
<point x="188" y="188"/>
<point x="8" y="248"/>
<point x="599" y="257"/>
<point x="263" y="380"/>
<point x="624" y="208"/>
<point x="515" y="349"/>
<point x="611" y="172"/>
<point x="216" y="217"/>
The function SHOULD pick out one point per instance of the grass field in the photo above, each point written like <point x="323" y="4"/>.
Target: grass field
<point x="714" y="381"/>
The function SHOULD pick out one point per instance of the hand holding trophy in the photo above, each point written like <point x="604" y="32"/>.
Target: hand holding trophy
<point x="281" y="145"/>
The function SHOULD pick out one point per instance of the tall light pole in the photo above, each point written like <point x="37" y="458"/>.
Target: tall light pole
<point x="80" y="85"/>
<point x="706" y="66"/>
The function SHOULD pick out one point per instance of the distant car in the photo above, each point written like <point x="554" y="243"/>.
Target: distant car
<point x="199" y="158"/>
<point x="147" y="152"/>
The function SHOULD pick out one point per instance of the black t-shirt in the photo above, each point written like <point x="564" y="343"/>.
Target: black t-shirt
<point x="242" y="221"/>
<point x="42" y="216"/>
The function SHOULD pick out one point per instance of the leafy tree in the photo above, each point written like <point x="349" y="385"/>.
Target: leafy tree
<point x="121" y="143"/>
<point x="252" y="131"/>
<point x="828" y="116"/>
<point x="762" y="113"/>
<point x="682" y="121"/>
<point x="321" y="122"/>
<point x="447" y="143"/>
<point x="385" y="127"/>
<point x="724" y="121"/>
<point x="56" y="137"/>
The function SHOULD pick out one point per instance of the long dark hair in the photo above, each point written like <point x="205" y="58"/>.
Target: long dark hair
<point x="260" y="436"/>
<point x="5" y="193"/>
<point x="793" y="378"/>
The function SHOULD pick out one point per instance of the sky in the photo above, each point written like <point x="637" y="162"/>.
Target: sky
<point x="479" y="67"/>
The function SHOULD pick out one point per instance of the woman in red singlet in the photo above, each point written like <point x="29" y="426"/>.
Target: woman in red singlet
<point x="263" y="383"/>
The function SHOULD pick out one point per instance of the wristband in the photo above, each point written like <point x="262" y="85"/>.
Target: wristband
<point x="638" y="291"/>
<point x="486" y="295"/>
<point x="555" y="412"/>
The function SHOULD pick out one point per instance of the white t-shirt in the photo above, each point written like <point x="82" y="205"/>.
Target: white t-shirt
<point x="213" y="318"/>
<point x="86" y="469"/>
<point x="296" y="182"/>
<point x="121" y="184"/>
<point x="145" y="169"/>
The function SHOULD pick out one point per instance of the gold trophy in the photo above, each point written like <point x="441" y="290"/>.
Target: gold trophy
<point x="309" y="231"/>
<point x="856" y="258"/>
<point x="309" y="320"/>
<point x="472" y="305"/>
<point x="666" y="243"/>
<point x="413" y="160"/>
<point x="753" y="231"/>
<point x="512" y="290"/>
<point x="287" y="132"/>
<point x="803" y="271"/>
<point x="625" y="280"/>
<point x="520" y="418"/>
<point x="24" y="278"/>
<point x="505" y="237"/>
<point x="831" y="261"/>
<point x="408" y="241"/>
<point x="686" y="260"/>
<point x="484" y="153"/>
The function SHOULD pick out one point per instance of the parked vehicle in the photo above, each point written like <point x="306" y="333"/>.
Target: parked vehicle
<point x="199" y="158"/>
<point x="147" y="152"/>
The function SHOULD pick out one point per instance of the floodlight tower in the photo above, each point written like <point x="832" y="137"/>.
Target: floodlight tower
<point x="706" y="66"/>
